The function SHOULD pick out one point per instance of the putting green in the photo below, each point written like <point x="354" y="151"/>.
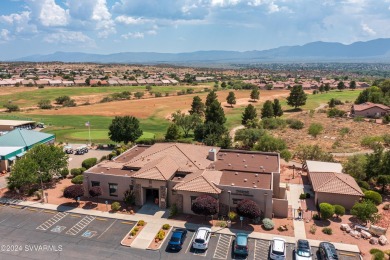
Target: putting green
<point x="100" y="135"/>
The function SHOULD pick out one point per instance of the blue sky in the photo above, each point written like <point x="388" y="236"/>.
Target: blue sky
<point x="30" y="27"/>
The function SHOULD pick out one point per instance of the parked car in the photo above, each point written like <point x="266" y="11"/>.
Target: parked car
<point x="177" y="239"/>
<point x="68" y="149"/>
<point x="278" y="249"/>
<point x="81" y="150"/>
<point x="202" y="238"/>
<point x="241" y="244"/>
<point x="303" y="250"/>
<point x="327" y="251"/>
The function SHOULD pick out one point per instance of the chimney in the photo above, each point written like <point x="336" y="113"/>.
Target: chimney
<point x="212" y="155"/>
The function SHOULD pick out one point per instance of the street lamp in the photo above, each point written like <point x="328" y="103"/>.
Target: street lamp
<point x="293" y="170"/>
<point x="229" y="192"/>
<point x="43" y="191"/>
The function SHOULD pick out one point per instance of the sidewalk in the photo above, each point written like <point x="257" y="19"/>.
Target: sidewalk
<point x="294" y="201"/>
<point x="158" y="222"/>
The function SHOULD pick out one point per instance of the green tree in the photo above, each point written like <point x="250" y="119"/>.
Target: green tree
<point x="268" y="143"/>
<point x="374" y="160"/>
<point x="322" y="88"/>
<point x="231" y="98"/>
<point x="138" y="95"/>
<point x="383" y="180"/>
<point x="11" y="107"/>
<point x="249" y="114"/>
<point x="62" y="99"/>
<point x="197" y="106"/>
<point x="223" y="85"/>
<point x="267" y="111"/>
<point x="211" y="97"/>
<point x="278" y="112"/>
<point x="332" y="102"/>
<point x="255" y="94"/>
<point x="124" y="129"/>
<point x="326" y="210"/>
<point x="44" y="104"/>
<point x="214" y="113"/>
<point x="365" y="211"/>
<point x="173" y="133"/>
<point x="385" y="163"/>
<point x="312" y="152"/>
<point x="327" y="87"/>
<point x="356" y="166"/>
<point x="297" y="97"/>
<point x="210" y="133"/>
<point x="23" y="174"/>
<point x="340" y="85"/>
<point x="373" y="196"/>
<point x="352" y="84"/>
<point x="186" y="122"/>
<point x="315" y="129"/>
<point x="248" y="136"/>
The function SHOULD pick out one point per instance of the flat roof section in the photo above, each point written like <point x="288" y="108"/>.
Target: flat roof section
<point x="101" y="169"/>
<point x="246" y="179"/>
<point x="131" y="153"/>
<point x="247" y="161"/>
<point x="15" y="122"/>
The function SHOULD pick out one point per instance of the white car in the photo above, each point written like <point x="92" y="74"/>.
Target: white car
<point x="278" y="249"/>
<point x="303" y="250"/>
<point x="202" y="238"/>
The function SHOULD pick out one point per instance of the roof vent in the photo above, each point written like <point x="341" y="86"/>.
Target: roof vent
<point x="238" y="155"/>
<point x="101" y="172"/>
<point x="245" y="180"/>
<point x="254" y="186"/>
<point x="256" y="175"/>
<point x="230" y="164"/>
<point x="246" y="166"/>
<point x="261" y="167"/>
<point x="232" y="184"/>
<point x="107" y="168"/>
<point x="136" y="149"/>
<point x="243" y="160"/>
<point x="253" y="182"/>
<point x="225" y="154"/>
<point x="179" y="178"/>
<point x="126" y="174"/>
<point x="266" y="157"/>
<point x="253" y="156"/>
<point x="258" y="180"/>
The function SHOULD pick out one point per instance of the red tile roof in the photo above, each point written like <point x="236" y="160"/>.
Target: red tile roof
<point x="368" y="105"/>
<point x="338" y="183"/>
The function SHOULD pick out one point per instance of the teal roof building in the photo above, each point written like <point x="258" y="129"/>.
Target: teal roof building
<point x="17" y="142"/>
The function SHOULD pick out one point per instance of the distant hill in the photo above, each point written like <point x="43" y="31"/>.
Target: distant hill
<point x="375" y="50"/>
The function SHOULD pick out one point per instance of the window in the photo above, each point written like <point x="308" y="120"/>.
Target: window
<point x="131" y="187"/>
<point x="236" y="201"/>
<point x="113" y="189"/>
<point x="95" y="183"/>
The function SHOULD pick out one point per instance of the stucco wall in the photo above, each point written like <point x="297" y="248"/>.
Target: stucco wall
<point x="257" y="195"/>
<point x="371" y="112"/>
<point x="187" y="199"/>
<point x="347" y="201"/>
<point x="146" y="184"/>
<point x="280" y="208"/>
<point x="3" y="165"/>
<point x="123" y="182"/>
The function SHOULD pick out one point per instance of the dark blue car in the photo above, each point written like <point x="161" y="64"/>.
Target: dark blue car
<point x="177" y="239"/>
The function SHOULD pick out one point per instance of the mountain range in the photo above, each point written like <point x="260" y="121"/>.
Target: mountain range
<point x="377" y="50"/>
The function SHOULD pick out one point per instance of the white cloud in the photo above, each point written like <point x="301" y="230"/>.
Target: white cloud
<point x="19" y="23"/>
<point x="68" y="37"/>
<point x="129" y="20"/>
<point x="136" y="35"/>
<point x="4" y="35"/>
<point x="273" y="8"/>
<point x="367" y="29"/>
<point x="49" y="13"/>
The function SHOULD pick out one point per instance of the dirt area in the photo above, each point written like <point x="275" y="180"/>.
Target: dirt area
<point x="128" y="239"/>
<point x="293" y="176"/>
<point x="146" y="107"/>
<point x="12" y="90"/>
<point x="330" y="139"/>
<point x="338" y="235"/>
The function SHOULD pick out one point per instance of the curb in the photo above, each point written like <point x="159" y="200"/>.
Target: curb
<point x="136" y="225"/>
<point x="157" y="249"/>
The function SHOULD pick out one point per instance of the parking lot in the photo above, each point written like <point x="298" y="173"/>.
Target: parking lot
<point x="75" y="160"/>
<point x="221" y="247"/>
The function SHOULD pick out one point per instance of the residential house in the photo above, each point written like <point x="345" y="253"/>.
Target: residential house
<point x="369" y="109"/>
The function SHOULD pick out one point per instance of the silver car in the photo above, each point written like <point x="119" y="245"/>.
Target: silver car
<point x="202" y="238"/>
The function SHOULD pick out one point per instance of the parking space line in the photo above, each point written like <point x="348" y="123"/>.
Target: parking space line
<point x="32" y="209"/>
<point x="190" y="244"/>
<point x="15" y="207"/>
<point x="50" y="222"/>
<point x="107" y="228"/>
<point x="223" y="247"/>
<point x="50" y="211"/>
<point x="102" y="219"/>
<point x="75" y="216"/>
<point x="80" y="225"/>
<point x="261" y="248"/>
<point x="128" y="223"/>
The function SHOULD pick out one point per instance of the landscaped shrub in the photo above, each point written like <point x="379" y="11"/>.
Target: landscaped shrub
<point x="335" y="112"/>
<point x="302" y="196"/>
<point x="166" y="226"/>
<point x="64" y="172"/>
<point x="326" y="210"/>
<point x="386" y="206"/>
<point x="316" y="217"/>
<point x="115" y="206"/>
<point x="75" y="172"/>
<point x="378" y="254"/>
<point x="88" y="163"/>
<point x="308" y="195"/>
<point x="173" y="210"/>
<point x="82" y="170"/>
<point x="136" y="229"/>
<point x="373" y="196"/>
<point x="221" y="224"/>
<point x="129" y="197"/>
<point x="273" y="123"/>
<point x="363" y="184"/>
<point x="95" y="191"/>
<point x="141" y="223"/>
<point x="160" y="235"/>
<point x="268" y="224"/>
<point x="371" y="141"/>
<point x="327" y="231"/>
<point x="205" y="205"/>
<point x="78" y="179"/>
<point x="313" y="228"/>
<point x="232" y="215"/>
<point x="74" y="191"/>
<point x="248" y="208"/>
<point x="358" y="119"/>
<point x="133" y="233"/>
<point x="339" y="210"/>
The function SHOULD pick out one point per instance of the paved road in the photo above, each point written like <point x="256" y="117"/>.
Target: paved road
<point x="76" y="160"/>
<point x="30" y="233"/>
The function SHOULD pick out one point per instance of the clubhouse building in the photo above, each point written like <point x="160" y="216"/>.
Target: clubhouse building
<point x="176" y="173"/>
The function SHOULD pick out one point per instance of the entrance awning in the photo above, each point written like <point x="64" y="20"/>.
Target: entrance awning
<point x="13" y="158"/>
<point x="20" y="154"/>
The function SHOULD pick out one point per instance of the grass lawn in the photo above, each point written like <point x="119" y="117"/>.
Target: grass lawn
<point x="71" y="128"/>
<point x="32" y="95"/>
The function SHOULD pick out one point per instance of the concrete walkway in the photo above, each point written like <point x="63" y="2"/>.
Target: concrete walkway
<point x="155" y="223"/>
<point x="295" y="203"/>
